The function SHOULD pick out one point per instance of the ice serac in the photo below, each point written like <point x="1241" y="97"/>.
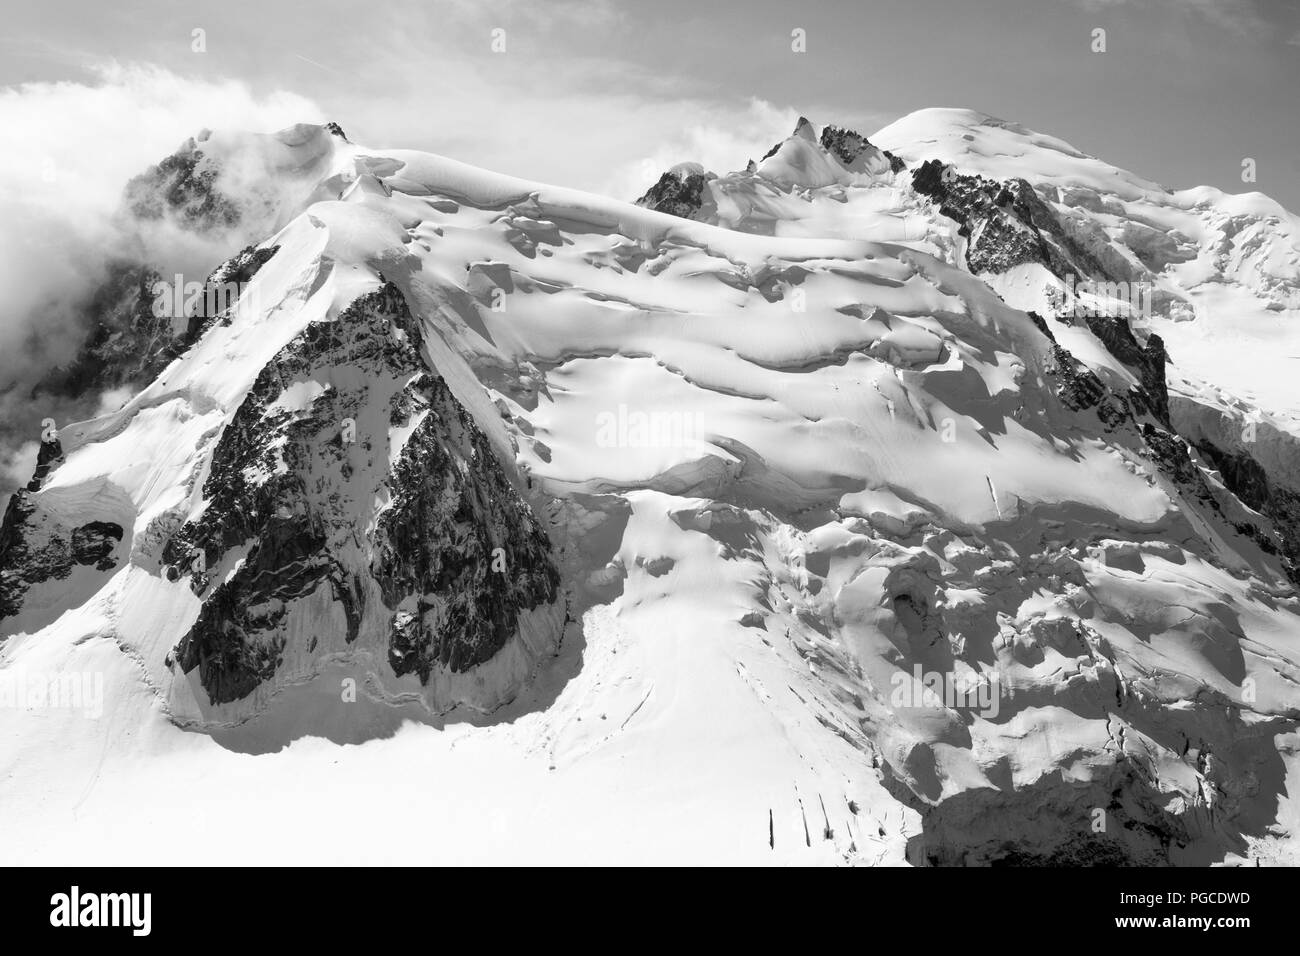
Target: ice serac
<point x="1221" y="276"/>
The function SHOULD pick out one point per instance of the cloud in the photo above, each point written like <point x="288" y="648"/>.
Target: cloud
<point x="70" y="149"/>
<point x="722" y="138"/>
<point x="550" y="107"/>
<point x="1238" y="16"/>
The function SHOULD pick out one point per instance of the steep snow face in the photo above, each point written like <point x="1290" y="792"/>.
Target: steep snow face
<point x="860" y="563"/>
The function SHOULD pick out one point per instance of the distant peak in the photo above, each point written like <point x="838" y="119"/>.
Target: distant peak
<point x="802" y="130"/>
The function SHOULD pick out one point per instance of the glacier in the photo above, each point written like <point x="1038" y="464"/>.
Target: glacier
<point x="611" y="531"/>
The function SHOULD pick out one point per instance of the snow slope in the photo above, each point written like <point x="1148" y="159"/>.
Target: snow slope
<point x="788" y="464"/>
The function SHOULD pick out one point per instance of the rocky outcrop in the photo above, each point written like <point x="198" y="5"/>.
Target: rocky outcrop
<point x="93" y="544"/>
<point x="1079" y="387"/>
<point x="457" y="553"/>
<point x="183" y="185"/>
<point x="848" y="146"/>
<point x="1006" y="223"/>
<point x="420" y="543"/>
<point x="845" y="144"/>
<point x="1147" y="362"/>
<point x="1246" y="478"/>
<point x="679" y="192"/>
<point x="127" y="341"/>
<point x="35" y="548"/>
<point x="139" y="324"/>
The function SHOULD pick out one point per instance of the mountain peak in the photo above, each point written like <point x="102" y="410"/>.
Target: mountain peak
<point x="896" y="464"/>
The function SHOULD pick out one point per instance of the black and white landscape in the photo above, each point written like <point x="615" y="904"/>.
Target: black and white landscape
<point x="925" y="493"/>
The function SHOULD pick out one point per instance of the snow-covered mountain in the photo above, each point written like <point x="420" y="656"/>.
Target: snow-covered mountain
<point x="833" y="510"/>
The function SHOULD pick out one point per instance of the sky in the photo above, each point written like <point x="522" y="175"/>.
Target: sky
<point x="603" y="94"/>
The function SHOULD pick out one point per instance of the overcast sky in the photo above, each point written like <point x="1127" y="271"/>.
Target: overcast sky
<point x="598" y="94"/>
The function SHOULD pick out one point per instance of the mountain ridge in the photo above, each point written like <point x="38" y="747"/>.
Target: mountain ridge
<point x="882" y="464"/>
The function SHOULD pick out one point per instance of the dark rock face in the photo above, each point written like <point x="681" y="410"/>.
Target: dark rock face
<point x="1078" y="387"/>
<point x="126" y="341"/>
<point x="230" y="275"/>
<point x="1246" y="478"/>
<point x="47" y="457"/>
<point x="1148" y="362"/>
<point x="296" y="496"/>
<point x="242" y="266"/>
<point x="676" y="195"/>
<point x="1173" y="456"/>
<point x="184" y="185"/>
<point x="459" y="539"/>
<point x="35" y="549"/>
<point x="93" y="543"/>
<point x="31" y="550"/>
<point x="1006" y="223"/>
<point x="131" y="340"/>
<point x="845" y="144"/>
<point x="21" y="564"/>
<point x="1171" y="451"/>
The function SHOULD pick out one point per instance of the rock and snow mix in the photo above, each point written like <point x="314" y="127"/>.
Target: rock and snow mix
<point x="798" y="514"/>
